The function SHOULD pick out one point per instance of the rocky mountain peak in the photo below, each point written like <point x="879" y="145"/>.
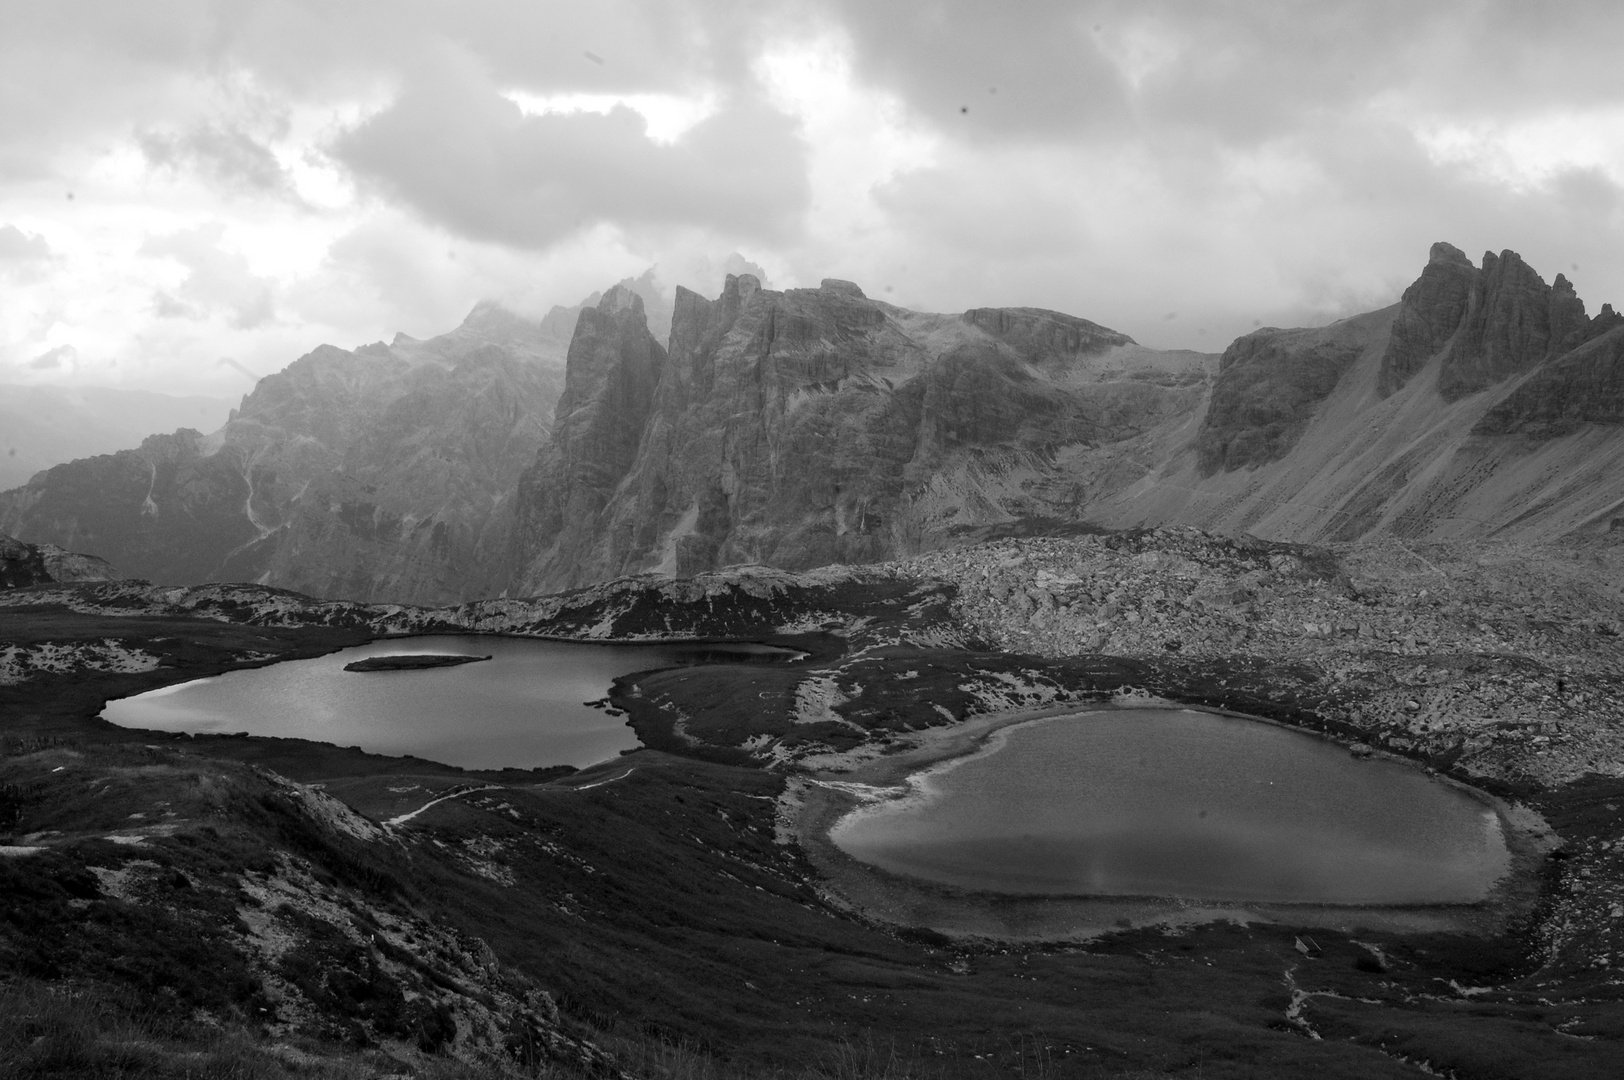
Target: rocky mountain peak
<point x="1606" y="319"/>
<point x="739" y="288"/>
<point x="621" y="299"/>
<point x="611" y="374"/>
<point x="1515" y="322"/>
<point x="382" y="473"/>
<point x="807" y="426"/>
<point x="1490" y="322"/>
<point x="1429" y="313"/>
<point x="485" y="312"/>
<point x="1447" y="253"/>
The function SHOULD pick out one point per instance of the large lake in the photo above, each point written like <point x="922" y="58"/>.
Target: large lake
<point x="1178" y="803"/>
<point x="525" y="707"/>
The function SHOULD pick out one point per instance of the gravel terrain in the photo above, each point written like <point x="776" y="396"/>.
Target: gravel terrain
<point x="1507" y="660"/>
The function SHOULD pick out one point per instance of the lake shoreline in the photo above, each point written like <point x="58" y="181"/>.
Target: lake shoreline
<point x="815" y="804"/>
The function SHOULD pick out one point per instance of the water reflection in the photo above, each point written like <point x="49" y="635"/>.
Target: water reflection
<point x="1186" y="804"/>
<point x="523" y="708"/>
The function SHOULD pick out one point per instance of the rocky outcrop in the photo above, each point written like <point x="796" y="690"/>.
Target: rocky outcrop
<point x="1515" y="321"/>
<point x="612" y="370"/>
<point x="385" y="473"/>
<point x="21" y="564"/>
<point x="1037" y="334"/>
<point x="813" y="426"/>
<point x="1489" y="323"/>
<point x="1485" y="404"/>
<point x="1429" y="313"/>
<point x="1269" y="385"/>
<point x="1584" y="387"/>
<point x="72" y="566"/>
<point x="36" y="564"/>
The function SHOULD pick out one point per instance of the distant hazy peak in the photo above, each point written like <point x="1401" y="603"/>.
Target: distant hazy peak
<point x="489" y="316"/>
<point x="620" y="298"/>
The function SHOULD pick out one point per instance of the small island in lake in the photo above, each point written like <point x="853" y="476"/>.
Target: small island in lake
<point x="412" y="662"/>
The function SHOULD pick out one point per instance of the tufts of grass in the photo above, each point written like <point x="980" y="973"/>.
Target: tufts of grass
<point x="53" y="1032"/>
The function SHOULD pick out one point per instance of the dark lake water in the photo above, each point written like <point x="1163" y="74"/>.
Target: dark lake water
<point x="1151" y="802"/>
<point x="523" y="708"/>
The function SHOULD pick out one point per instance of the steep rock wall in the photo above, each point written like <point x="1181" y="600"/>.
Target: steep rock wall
<point x="816" y="426"/>
<point x="380" y="474"/>
<point x="1485" y="404"/>
<point x="612" y="369"/>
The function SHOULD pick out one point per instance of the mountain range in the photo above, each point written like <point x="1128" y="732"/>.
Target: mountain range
<point x="44" y="425"/>
<point x="802" y="427"/>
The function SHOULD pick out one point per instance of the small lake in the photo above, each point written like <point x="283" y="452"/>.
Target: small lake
<point x="1179" y="803"/>
<point x="524" y="708"/>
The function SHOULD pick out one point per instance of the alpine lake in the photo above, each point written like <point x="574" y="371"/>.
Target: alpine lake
<point x="1126" y="810"/>
<point x="532" y="703"/>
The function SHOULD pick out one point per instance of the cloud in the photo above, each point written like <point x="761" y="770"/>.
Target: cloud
<point x="55" y="358"/>
<point x="167" y="307"/>
<point x="983" y="70"/>
<point x="229" y="156"/>
<point x="216" y="280"/>
<point x="256" y="176"/>
<point x="18" y="246"/>
<point x="1247" y="71"/>
<point x="465" y="156"/>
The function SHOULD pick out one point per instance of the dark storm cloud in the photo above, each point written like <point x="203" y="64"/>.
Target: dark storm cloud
<point x="460" y="153"/>
<point x="1240" y="70"/>
<point x="74" y="64"/>
<point x="988" y="69"/>
<point x="1234" y="161"/>
<point x="448" y="145"/>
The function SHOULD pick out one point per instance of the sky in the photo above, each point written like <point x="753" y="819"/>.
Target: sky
<point x="193" y="194"/>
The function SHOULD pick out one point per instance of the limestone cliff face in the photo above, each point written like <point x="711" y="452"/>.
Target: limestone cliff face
<point x="1514" y="322"/>
<point x="1269" y="385"/>
<point x="814" y="426"/>
<point x="1484" y="404"/>
<point x="612" y="369"/>
<point x="385" y="473"/>
<point x="1489" y="323"/>
<point x="1429" y="313"/>
<point x="1037" y="334"/>
<point x="1586" y="386"/>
